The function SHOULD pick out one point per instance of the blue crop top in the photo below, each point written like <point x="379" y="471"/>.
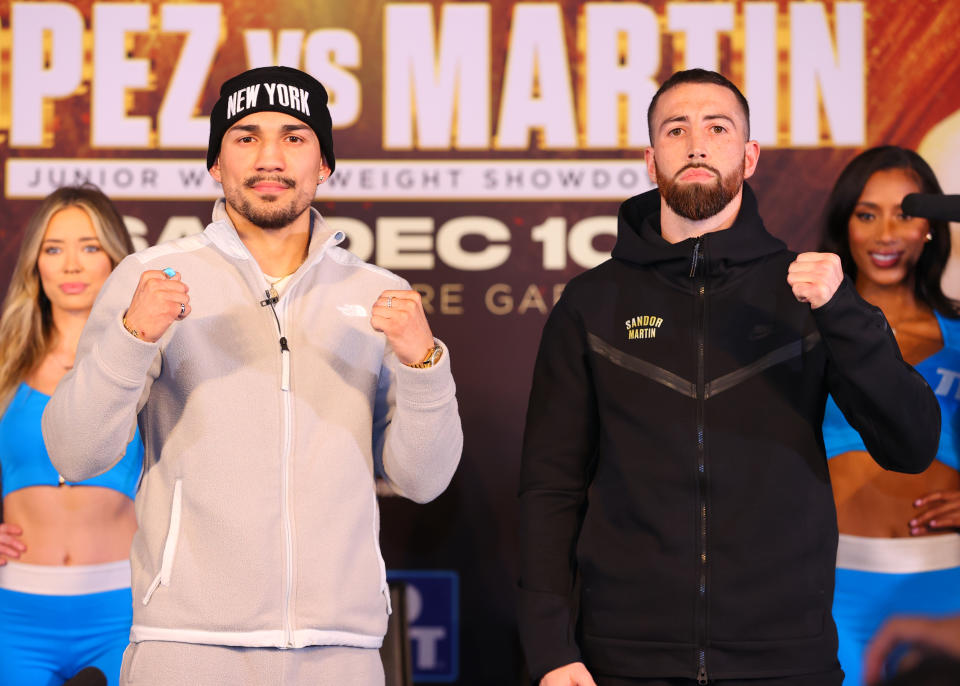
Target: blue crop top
<point x="942" y="371"/>
<point x="23" y="456"/>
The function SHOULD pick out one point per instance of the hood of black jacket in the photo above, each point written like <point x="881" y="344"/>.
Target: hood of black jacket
<point x="640" y="242"/>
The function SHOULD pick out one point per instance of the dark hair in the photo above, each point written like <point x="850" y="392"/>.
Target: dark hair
<point x="843" y="200"/>
<point x="697" y="76"/>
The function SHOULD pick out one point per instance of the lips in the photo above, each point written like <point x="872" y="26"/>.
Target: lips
<point x="269" y="187"/>
<point x="73" y="287"/>
<point x="697" y="173"/>
<point x="885" y="260"/>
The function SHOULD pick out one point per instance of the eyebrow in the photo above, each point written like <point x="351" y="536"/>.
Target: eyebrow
<point x="60" y="240"/>
<point x="683" y="119"/>
<point x="255" y="128"/>
<point x="872" y="205"/>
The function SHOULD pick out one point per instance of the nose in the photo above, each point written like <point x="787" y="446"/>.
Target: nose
<point x="888" y="228"/>
<point x="71" y="262"/>
<point x="696" y="148"/>
<point x="269" y="156"/>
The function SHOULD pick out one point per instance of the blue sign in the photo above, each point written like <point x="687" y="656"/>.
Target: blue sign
<point x="433" y="613"/>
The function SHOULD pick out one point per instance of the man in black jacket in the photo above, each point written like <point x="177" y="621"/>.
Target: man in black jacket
<point x="678" y="524"/>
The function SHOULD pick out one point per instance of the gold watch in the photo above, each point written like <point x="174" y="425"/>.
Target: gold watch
<point x="432" y="357"/>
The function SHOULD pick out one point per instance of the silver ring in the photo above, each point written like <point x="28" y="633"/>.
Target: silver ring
<point x="183" y="310"/>
<point x="389" y="301"/>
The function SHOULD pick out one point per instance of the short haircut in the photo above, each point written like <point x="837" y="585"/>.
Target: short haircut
<point x="697" y="76"/>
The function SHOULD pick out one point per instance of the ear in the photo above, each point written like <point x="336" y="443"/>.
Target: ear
<point x="651" y="164"/>
<point x="215" y="171"/>
<point x="751" y="154"/>
<point x="324" y="173"/>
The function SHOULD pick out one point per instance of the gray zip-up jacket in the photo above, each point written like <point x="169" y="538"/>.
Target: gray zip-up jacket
<point x="257" y="509"/>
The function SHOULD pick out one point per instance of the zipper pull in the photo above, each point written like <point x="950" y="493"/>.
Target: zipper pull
<point x="284" y="364"/>
<point x="696" y="257"/>
<point x="702" y="675"/>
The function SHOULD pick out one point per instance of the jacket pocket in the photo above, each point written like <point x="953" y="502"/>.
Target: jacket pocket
<point x="170" y="545"/>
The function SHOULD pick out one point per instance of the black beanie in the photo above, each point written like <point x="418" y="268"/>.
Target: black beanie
<point x="272" y="89"/>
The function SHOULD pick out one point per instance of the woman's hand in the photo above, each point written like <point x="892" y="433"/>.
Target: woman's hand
<point x="938" y="512"/>
<point x="10" y="544"/>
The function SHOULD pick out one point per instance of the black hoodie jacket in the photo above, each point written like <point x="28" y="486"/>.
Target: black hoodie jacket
<point x="677" y="518"/>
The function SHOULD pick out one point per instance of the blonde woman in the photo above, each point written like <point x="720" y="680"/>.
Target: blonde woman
<point x="65" y="601"/>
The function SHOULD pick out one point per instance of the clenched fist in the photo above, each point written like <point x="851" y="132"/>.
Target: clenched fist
<point x="815" y="277"/>
<point x="574" y="674"/>
<point x="399" y="315"/>
<point x="157" y="303"/>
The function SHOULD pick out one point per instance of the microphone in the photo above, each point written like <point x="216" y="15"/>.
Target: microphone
<point x="271" y="299"/>
<point x="88" y="676"/>
<point x="932" y="206"/>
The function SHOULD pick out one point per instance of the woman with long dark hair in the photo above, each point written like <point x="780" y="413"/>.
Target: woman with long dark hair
<point x="899" y="551"/>
<point x="65" y="601"/>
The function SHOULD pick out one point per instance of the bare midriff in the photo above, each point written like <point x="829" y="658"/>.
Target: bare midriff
<point x="71" y="525"/>
<point x="872" y="501"/>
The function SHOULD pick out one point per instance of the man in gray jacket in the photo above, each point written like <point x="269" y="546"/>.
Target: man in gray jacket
<point x="273" y="375"/>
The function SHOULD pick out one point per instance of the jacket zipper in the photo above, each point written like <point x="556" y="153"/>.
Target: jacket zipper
<point x="700" y="326"/>
<point x="285" y="467"/>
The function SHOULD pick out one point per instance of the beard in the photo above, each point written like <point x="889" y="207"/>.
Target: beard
<point x="697" y="201"/>
<point x="272" y="215"/>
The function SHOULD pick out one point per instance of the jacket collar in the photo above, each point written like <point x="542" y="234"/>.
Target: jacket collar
<point x="223" y="234"/>
<point x="640" y="242"/>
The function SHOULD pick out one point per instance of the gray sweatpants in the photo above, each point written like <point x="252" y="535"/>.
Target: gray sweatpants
<point x="165" y="663"/>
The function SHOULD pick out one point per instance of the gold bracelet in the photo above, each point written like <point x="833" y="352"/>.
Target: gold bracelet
<point x="132" y="331"/>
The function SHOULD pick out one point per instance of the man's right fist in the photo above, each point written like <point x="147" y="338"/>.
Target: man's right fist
<point x="574" y="674"/>
<point x="157" y="303"/>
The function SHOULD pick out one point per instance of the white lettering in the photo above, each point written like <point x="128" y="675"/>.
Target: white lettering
<point x="37" y="75"/>
<point x="947" y="378"/>
<point x="260" y="49"/>
<point x="252" y="93"/>
<point x="700" y="23"/>
<point x="536" y="83"/>
<point x="177" y="127"/>
<point x="838" y="72"/>
<point x="405" y="242"/>
<point x="581" y="239"/>
<point x="114" y="74"/>
<point x="328" y="51"/>
<point x="436" y="87"/>
<point x="760" y="70"/>
<point x="304" y="107"/>
<point x="450" y="249"/>
<point x="623" y="55"/>
<point x="271" y="87"/>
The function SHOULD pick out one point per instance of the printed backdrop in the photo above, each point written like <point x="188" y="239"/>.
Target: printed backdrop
<point x="483" y="148"/>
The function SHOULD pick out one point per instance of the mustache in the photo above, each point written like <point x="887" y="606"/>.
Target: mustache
<point x="252" y="181"/>
<point x="696" y="165"/>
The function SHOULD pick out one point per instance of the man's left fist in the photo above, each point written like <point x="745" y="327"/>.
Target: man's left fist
<point x="399" y="315"/>
<point x="815" y="277"/>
